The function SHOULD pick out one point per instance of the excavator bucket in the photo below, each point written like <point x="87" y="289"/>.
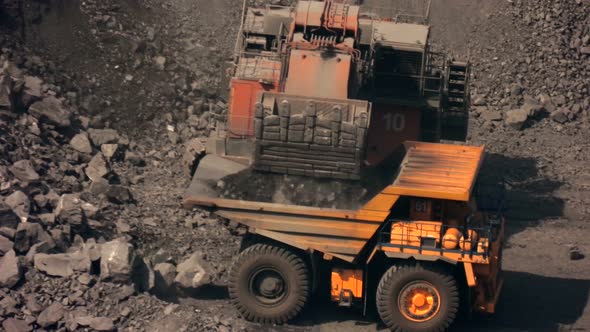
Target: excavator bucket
<point x="314" y="137"/>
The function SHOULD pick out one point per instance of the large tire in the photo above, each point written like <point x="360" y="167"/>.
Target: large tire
<point x="415" y="298"/>
<point x="269" y="284"/>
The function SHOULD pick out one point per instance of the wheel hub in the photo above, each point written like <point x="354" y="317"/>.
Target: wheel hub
<point x="268" y="286"/>
<point x="419" y="301"/>
<point x="271" y="286"/>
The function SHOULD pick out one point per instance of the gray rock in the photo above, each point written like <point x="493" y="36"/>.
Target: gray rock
<point x="32" y="90"/>
<point x="479" y="101"/>
<point x="193" y="272"/>
<point x="16" y="325"/>
<point x="119" y="194"/>
<point x="10" y="270"/>
<point x="103" y="136"/>
<point x="28" y="234"/>
<point x="47" y="218"/>
<point x="69" y="210"/>
<point x="161" y="256"/>
<point x="50" y="316"/>
<point x="20" y="204"/>
<point x="585" y="50"/>
<point x="516" y="118"/>
<point x="99" y="187"/>
<point x="24" y="171"/>
<point x="102" y="324"/>
<point x="194" y="150"/>
<point x="97" y="168"/>
<point x="490" y="115"/>
<point x="7" y="232"/>
<point x="109" y="151"/>
<point x="92" y="250"/>
<point x="160" y="62"/>
<point x="5" y="245"/>
<point x="52" y="111"/>
<point x="7" y="217"/>
<point x="164" y="277"/>
<point x="62" y="265"/>
<point x="532" y="108"/>
<point x="560" y="116"/>
<point x="32" y="304"/>
<point x="117" y="261"/>
<point x="38" y="248"/>
<point x="81" y="143"/>
<point x="5" y="92"/>
<point x="134" y="159"/>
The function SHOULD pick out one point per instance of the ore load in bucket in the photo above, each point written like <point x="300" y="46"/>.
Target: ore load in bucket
<point x="222" y="178"/>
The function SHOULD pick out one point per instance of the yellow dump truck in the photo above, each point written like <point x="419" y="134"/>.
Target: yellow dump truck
<point x="418" y="250"/>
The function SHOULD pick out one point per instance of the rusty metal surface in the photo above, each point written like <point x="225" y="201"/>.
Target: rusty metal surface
<point x="318" y="74"/>
<point x="442" y="171"/>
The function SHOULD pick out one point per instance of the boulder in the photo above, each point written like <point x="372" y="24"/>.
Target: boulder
<point x="193" y="151"/>
<point x="99" y="187"/>
<point x="7" y="217"/>
<point x="52" y="111"/>
<point x="51" y="315"/>
<point x="38" y="248"/>
<point x="164" y="277"/>
<point x="560" y="116"/>
<point x="117" y="261"/>
<point x="102" y="324"/>
<point x="103" y="136"/>
<point x="81" y="143"/>
<point x="69" y="210"/>
<point x="62" y="265"/>
<point x="97" y="168"/>
<point x="16" y="325"/>
<point x="5" y="89"/>
<point x="10" y="270"/>
<point x="109" y="151"/>
<point x="96" y="323"/>
<point x="516" y="118"/>
<point x="20" y="204"/>
<point x="119" y="194"/>
<point x="193" y="272"/>
<point x="32" y="91"/>
<point x="24" y="171"/>
<point x="5" y="245"/>
<point x="28" y="234"/>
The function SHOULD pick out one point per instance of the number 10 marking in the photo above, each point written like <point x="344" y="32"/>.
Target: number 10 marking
<point x="395" y="122"/>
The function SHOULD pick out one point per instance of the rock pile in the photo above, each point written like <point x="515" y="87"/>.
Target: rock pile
<point x="57" y="188"/>
<point x="545" y="67"/>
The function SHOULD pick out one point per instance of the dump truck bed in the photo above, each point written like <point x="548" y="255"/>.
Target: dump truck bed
<point x="428" y="170"/>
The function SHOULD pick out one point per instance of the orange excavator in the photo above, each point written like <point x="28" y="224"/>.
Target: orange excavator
<point x="338" y="91"/>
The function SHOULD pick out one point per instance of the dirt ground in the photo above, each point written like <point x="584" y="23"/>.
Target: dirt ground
<point x="106" y="52"/>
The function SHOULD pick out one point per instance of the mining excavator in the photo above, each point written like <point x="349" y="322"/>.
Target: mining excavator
<point x="352" y="92"/>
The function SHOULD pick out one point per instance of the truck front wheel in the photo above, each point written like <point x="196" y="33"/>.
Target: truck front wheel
<point x="417" y="298"/>
<point x="269" y="284"/>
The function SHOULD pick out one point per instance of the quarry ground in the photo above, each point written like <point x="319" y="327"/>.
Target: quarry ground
<point x="110" y="53"/>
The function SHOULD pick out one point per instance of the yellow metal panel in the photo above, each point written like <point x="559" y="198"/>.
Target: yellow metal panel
<point x="442" y="171"/>
<point x="469" y="274"/>
<point x="304" y="225"/>
<point x="381" y="202"/>
<point x="221" y="203"/>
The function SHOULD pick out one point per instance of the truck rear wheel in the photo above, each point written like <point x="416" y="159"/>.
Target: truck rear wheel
<point x="268" y="284"/>
<point x="417" y="299"/>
